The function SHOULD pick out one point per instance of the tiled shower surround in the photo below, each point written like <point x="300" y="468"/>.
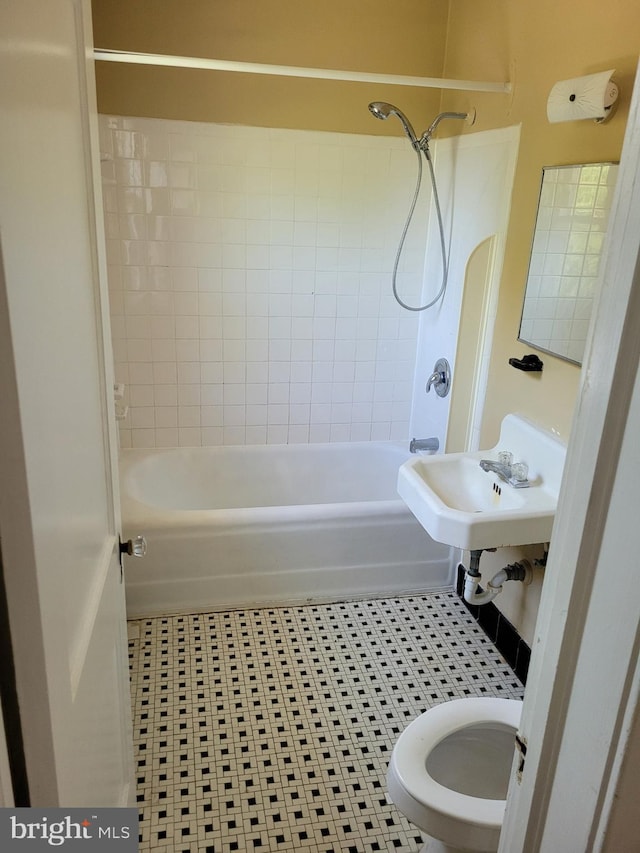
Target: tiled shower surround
<point x="271" y="729"/>
<point x="249" y="276"/>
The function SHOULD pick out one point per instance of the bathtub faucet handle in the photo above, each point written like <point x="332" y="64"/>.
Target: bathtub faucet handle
<point x="440" y="379"/>
<point x="434" y="379"/>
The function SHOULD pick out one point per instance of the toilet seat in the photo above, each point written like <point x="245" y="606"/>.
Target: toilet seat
<point x="457" y="819"/>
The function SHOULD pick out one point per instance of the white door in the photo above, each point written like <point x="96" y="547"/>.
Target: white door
<point x="59" y="517"/>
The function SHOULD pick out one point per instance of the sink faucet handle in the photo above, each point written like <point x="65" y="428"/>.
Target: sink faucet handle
<point x="520" y="471"/>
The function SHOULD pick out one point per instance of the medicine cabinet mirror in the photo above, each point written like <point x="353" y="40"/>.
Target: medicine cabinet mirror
<point x="571" y="225"/>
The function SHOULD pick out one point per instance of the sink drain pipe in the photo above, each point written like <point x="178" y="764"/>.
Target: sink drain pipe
<point x="521" y="571"/>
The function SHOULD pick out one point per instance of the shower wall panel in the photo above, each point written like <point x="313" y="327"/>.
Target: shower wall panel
<point x="249" y="275"/>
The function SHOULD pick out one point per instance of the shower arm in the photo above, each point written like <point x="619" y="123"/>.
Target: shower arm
<point x="423" y="142"/>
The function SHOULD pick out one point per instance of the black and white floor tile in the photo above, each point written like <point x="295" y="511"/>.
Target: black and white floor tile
<point x="271" y="729"/>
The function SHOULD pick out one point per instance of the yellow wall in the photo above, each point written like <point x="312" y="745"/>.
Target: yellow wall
<point x="403" y="37"/>
<point x="537" y="47"/>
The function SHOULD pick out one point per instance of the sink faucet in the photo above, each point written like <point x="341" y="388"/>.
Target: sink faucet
<point x="504" y="472"/>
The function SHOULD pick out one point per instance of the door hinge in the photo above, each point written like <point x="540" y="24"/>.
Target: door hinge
<point x="521" y="745"/>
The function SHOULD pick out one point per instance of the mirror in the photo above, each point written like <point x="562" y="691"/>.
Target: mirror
<point x="573" y="211"/>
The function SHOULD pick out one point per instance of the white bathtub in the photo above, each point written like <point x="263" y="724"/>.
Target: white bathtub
<point x="238" y="526"/>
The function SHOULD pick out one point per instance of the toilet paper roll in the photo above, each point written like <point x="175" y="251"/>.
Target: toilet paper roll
<point x="592" y="96"/>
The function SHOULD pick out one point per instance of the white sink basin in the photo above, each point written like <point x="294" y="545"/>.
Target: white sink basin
<point x="461" y="505"/>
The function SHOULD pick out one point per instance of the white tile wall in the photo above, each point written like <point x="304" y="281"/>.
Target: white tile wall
<point x="249" y="276"/>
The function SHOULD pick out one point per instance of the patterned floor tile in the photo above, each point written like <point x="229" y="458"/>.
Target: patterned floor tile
<point x="271" y="729"/>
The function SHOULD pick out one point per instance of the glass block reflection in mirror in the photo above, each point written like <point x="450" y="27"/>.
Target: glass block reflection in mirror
<point x="573" y="212"/>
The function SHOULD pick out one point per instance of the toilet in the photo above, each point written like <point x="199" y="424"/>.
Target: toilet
<point x="449" y="772"/>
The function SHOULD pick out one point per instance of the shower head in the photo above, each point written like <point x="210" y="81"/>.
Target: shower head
<point x="380" y="109"/>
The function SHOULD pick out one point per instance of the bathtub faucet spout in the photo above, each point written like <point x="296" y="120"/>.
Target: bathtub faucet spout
<point x="431" y="445"/>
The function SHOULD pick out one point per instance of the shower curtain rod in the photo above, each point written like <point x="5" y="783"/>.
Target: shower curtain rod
<point x="104" y="55"/>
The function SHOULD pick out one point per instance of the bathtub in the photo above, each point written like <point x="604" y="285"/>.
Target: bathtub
<point x="241" y="526"/>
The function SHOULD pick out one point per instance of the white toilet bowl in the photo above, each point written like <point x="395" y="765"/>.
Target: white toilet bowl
<point x="450" y="768"/>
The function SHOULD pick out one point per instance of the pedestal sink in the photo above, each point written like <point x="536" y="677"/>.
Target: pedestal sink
<point x="460" y="504"/>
